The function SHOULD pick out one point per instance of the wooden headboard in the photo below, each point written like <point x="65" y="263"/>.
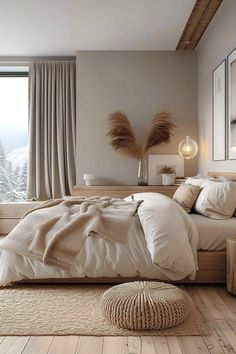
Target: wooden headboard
<point x="229" y="175"/>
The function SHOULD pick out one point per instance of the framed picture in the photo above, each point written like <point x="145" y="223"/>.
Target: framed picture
<point x="156" y="162"/>
<point x="219" y="113"/>
<point x="232" y="105"/>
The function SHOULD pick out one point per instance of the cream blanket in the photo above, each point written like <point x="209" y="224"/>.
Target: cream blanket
<point x="54" y="232"/>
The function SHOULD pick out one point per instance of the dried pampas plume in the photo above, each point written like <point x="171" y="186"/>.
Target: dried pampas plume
<point x="160" y="131"/>
<point x="123" y="140"/>
<point x="122" y="137"/>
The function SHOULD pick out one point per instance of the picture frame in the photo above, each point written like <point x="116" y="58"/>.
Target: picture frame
<point x="156" y="162"/>
<point x="219" y="106"/>
<point x="231" y="111"/>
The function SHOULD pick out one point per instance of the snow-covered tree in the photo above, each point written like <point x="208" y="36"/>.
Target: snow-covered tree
<point x="22" y="179"/>
<point x="13" y="178"/>
<point x="4" y="181"/>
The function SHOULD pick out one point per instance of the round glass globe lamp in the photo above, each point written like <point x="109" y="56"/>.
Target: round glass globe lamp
<point x="188" y="148"/>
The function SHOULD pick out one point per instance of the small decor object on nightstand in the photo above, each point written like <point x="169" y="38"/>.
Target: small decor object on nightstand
<point x="168" y="175"/>
<point x="143" y="172"/>
<point x="123" y="139"/>
<point x="231" y="265"/>
<point x="88" y="178"/>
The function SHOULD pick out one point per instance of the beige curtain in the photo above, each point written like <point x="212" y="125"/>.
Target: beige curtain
<point x="52" y="119"/>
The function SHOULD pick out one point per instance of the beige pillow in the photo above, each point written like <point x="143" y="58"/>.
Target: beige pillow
<point x="186" y="195"/>
<point x="217" y="200"/>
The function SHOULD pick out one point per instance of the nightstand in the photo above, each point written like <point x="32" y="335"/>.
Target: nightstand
<point x="11" y="213"/>
<point x="231" y="265"/>
<point x="121" y="191"/>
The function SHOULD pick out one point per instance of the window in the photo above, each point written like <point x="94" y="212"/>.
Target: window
<point x="13" y="133"/>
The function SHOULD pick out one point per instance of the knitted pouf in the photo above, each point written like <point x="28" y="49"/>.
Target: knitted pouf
<point x="143" y="305"/>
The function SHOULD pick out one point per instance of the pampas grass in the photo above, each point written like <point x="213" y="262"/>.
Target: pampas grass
<point x="123" y="139"/>
<point x="160" y="131"/>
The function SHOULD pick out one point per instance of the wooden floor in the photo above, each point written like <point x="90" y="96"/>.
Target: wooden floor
<point x="215" y="303"/>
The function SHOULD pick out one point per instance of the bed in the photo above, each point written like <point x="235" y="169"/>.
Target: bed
<point x="211" y="258"/>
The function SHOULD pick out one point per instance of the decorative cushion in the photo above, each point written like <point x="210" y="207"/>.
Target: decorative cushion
<point x="217" y="200"/>
<point x="186" y="195"/>
<point x="143" y="305"/>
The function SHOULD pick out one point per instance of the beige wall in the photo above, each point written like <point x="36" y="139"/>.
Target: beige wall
<point x="140" y="83"/>
<point x="217" y="43"/>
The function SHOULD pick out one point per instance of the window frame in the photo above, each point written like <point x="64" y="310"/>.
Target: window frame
<point x="14" y="71"/>
<point x="14" y="74"/>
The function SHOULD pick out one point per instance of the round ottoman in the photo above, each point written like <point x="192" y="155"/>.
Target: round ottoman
<point x="142" y="305"/>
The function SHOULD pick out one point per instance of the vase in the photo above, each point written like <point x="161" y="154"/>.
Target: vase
<point x="168" y="179"/>
<point x="142" y="172"/>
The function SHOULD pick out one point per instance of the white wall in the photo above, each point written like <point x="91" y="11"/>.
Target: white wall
<point x="140" y="83"/>
<point x="218" y="41"/>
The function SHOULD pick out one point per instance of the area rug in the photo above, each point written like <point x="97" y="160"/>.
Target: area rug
<point x="72" y="310"/>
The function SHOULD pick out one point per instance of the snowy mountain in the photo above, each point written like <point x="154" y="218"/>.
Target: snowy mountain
<point x="18" y="157"/>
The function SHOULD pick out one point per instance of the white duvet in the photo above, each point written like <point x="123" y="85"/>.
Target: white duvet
<point x="161" y="244"/>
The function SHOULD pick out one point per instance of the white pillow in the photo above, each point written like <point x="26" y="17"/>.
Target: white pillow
<point x="196" y="180"/>
<point x="219" y="179"/>
<point x="199" y="180"/>
<point x="217" y="200"/>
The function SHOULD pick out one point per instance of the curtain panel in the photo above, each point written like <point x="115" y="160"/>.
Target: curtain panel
<point x="52" y="123"/>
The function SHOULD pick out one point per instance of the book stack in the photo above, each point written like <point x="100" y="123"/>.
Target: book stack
<point x="180" y="180"/>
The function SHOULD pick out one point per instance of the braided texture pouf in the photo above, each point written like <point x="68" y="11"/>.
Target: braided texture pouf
<point x="143" y="305"/>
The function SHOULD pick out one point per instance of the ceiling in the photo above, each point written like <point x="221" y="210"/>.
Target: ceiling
<point x="60" y="27"/>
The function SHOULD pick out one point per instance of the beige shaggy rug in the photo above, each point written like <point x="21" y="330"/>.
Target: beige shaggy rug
<point x="71" y="310"/>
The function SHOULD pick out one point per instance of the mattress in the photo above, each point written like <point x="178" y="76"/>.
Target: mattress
<point x="213" y="233"/>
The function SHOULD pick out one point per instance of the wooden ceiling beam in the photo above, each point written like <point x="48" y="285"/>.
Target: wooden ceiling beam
<point x="199" y="19"/>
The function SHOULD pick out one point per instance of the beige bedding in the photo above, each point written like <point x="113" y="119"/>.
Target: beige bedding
<point x="54" y="232"/>
<point x="161" y="243"/>
<point x="212" y="234"/>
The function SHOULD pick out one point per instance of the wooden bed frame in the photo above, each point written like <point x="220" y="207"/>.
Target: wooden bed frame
<point x="212" y="264"/>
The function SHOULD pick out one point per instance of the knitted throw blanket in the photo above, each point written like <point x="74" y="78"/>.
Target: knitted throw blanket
<point x="54" y="232"/>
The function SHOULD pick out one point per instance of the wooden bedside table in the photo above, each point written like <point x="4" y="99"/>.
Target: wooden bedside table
<point x="11" y="213"/>
<point x="121" y="191"/>
<point x="231" y="265"/>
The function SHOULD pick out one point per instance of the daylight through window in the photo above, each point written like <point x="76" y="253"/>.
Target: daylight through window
<point x="13" y="135"/>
